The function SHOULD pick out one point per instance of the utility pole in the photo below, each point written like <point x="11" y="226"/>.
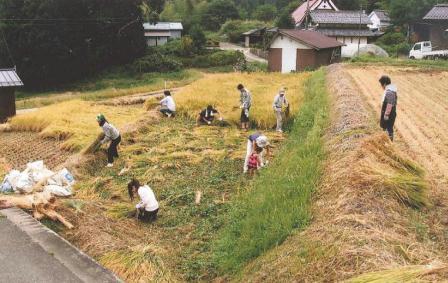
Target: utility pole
<point x="307" y="13"/>
<point x="359" y="30"/>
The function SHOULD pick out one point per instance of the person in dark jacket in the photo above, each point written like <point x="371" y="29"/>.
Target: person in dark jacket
<point x="207" y="116"/>
<point x="389" y="108"/>
<point x="112" y="135"/>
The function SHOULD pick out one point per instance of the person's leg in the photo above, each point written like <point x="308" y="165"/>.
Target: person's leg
<point x="110" y="153"/>
<point x="248" y="153"/>
<point x="153" y="215"/>
<point x="279" y="116"/>
<point x="115" y="144"/>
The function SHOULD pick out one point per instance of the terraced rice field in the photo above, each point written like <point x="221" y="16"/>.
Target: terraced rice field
<point x="422" y="122"/>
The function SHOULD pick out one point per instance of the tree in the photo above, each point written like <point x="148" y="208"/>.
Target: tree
<point x="217" y="13"/>
<point x="89" y="36"/>
<point x="404" y="12"/>
<point x="198" y="37"/>
<point x="265" y="13"/>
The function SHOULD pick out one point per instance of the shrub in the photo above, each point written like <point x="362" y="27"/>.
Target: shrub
<point x="215" y="59"/>
<point x="395" y="43"/>
<point x="156" y="62"/>
<point x="233" y="29"/>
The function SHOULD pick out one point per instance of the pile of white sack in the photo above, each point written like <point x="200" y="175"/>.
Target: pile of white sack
<point x="58" y="184"/>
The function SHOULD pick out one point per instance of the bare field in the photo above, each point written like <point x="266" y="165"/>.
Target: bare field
<point x="18" y="148"/>
<point x="422" y="122"/>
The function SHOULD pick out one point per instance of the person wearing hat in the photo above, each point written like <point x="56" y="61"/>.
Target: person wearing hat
<point x="279" y="102"/>
<point x="168" y="106"/>
<point x="245" y="104"/>
<point x="256" y="143"/>
<point x="112" y="135"/>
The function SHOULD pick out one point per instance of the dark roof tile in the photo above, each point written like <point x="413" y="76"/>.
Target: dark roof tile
<point x="438" y="12"/>
<point x="313" y="39"/>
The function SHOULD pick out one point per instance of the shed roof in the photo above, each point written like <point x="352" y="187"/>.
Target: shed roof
<point x="311" y="38"/>
<point x="438" y="12"/>
<point x="350" y="32"/>
<point x="163" y="26"/>
<point x="9" y="78"/>
<point x="382" y="15"/>
<point x="340" y="17"/>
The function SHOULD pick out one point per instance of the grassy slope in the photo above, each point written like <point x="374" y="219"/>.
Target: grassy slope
<point x="108" y="85"/>
<point x="279" y="200"/>
<point x="426" y="64"/>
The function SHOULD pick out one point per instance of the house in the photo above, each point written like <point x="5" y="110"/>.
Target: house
<point x="348" y="27"/>
<point x="297" y="50"/>
<point x="9" y="81"/>
<point x="160" y="33"/>
<point x="254" y="36"/>
<point x="301" y="13"/>
<point x="380" y="20"/>
<point x="437" y="23"/>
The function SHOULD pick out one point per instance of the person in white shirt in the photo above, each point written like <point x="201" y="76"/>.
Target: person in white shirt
<point x="148" y="207"/>
<point x="279" y="102"/>
<point x="112" y="135"/>
<point x="168" y="106"/>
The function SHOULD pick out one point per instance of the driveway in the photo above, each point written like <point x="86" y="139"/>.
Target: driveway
<point x="246" y="51"/>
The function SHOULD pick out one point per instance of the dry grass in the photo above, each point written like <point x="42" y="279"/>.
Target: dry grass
<point x="74" y="121"/>
<point x="138" y="264"/>
<point x="220" y="90"/>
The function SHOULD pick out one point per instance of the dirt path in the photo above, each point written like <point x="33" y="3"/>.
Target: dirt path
<point x="422" y="122"/>
<point x="246" y="51"/>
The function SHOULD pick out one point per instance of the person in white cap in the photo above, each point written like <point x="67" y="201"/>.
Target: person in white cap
<point x="279" y="102"/>
<point x="254" y="142"/>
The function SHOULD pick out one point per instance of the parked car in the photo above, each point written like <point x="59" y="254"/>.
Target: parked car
<point x="424" y="50"/>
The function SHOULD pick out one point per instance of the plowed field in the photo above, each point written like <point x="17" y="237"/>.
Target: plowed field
<point x="422" y="122"/>
<point x="19" y="148"/>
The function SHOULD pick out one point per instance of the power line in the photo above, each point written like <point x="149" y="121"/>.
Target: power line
<point x="7" y="47"/>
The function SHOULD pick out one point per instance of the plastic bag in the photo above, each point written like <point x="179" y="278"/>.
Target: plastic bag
<point x="58" y="190"/>
<point x="38" y="171"/>
<point x="62" y="178"/>
<point x="24" y="183"/>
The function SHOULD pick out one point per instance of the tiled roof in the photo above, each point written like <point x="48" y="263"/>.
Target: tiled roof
<point x="382" y="15"/>
<point x="340" y="17"/>
<point x="163" y="26"/>
<point x="350" y="32"/>
<point x="438" y="12"/>
<point x="311" y="38"/>
<point x="9" y="77"/>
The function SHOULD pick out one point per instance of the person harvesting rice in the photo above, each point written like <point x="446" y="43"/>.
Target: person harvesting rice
<point x="148" y="207"/>
<point x="279" y="102"/>
<point x="256" y="143"/>
<point x="168" y="106"/>
<point x="112" y="135"/>
<point x="245" y="104"/>
<point x="207" y="116"/>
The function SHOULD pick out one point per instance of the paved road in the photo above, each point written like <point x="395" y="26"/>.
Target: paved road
<point x="31" y="253"/>
<point x="22" y="260"/>
<point x="246" y="51"/>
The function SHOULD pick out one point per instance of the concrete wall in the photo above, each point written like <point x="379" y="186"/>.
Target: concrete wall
<point x="289" y="52"/>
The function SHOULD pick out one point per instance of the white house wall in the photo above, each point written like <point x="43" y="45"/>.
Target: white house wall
<point x="376" y="22"/>
<point x="351" y="44"/>
<point x="289" y="52"/>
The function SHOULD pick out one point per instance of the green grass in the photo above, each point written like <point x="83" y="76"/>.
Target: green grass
<point x="114" y="83"/>
<point x="279" y="200"/>
<point x="428" y="64"/>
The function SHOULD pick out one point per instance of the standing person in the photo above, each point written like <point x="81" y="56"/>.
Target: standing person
<point x="168" y="106"/>
<point x="256" y="142"/>
<point x="148" y="207"/>
<point x="245" y="104"/>
<point x="279" y="102"/>
<point x="389" y="108"/>
<point x="112" y="135"/>
<point x="207" y="116"/>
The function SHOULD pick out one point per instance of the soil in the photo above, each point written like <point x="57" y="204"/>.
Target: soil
<point x="19" y="148"/>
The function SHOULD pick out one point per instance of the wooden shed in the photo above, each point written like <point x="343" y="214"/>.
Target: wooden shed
<point x="298" y="50"/>
<point x="9" y="81"/>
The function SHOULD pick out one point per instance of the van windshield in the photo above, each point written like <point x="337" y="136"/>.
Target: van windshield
<point x="418" y="46"/>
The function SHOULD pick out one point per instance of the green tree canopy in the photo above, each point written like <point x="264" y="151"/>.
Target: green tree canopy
<point x="217" y="13"/>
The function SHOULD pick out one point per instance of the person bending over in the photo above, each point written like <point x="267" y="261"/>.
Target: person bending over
<point x="112" y="135"/>
<point x="207" y="116"/>
<point x="148" y="207"/>
<point x="168" y="106"/>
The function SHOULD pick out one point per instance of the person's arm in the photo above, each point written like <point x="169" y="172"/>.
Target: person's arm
<point x="254" y="146"/>
<point x="390" y="105"/>
<point x="286" y="102"/>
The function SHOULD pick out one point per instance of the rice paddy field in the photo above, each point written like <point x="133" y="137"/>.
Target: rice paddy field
<point x="338" y="202"/>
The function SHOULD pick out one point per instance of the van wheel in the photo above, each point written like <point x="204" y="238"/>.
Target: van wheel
<point x="412" y="58"/>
